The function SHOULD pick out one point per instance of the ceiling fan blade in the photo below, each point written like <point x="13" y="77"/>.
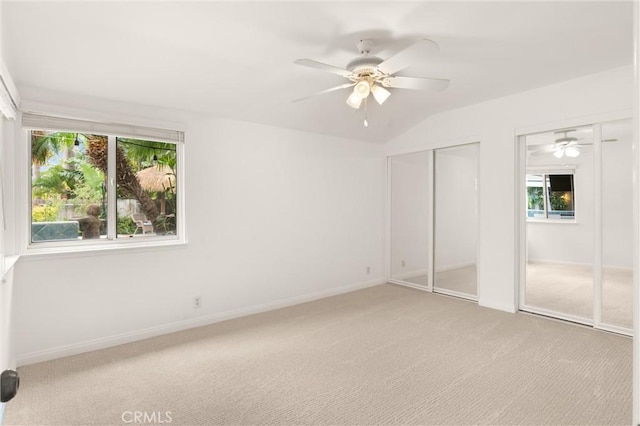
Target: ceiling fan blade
<point x="432" y="84"/>
<point x="343" y="86"/>
<point x="541" y="149"/>
<point x="406" y="57"/>
<point x="323" y="67"/>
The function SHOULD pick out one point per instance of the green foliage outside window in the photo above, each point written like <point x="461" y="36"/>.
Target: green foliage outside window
<point x="45" y="213"/>
<point x="69" y="174"/>
<point x="126" y="225"/>
<point x="557" y="201"/>
<point x="534" y="198"/>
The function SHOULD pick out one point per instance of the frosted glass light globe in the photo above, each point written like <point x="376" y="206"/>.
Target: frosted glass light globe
<point x="362" y="89"/>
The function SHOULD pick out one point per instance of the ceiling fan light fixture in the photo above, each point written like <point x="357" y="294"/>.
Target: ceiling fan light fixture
<point x="558" y="153"/>
<point x="362" y="89"/>
<point x="380" y="93"/>
<point x="572" y="152"/>
<point x="354" y="100"/>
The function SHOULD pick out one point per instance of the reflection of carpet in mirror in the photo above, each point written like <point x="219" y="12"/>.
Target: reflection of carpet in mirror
<point x="419" y="279"/>
<point x="461" y="280"/>
<point x="568" y="289"/>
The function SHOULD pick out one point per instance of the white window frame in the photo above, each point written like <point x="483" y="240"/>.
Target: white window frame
<point x="546" y="171"/>
<point x="112" y="131"/>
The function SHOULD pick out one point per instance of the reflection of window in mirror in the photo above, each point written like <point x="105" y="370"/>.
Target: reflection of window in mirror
<point x="550" y="196"/>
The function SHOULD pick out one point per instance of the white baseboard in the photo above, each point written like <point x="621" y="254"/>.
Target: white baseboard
<point x="418" y="272"/>
<point x="557" y="262"/>
<point x="618" y="268"/>
<point x="564" y="262"/>
<point x="410" y="274"/>
<point x="411" y="285"/>
<point x="455" y="266"/>
<point x="132" y="336"/>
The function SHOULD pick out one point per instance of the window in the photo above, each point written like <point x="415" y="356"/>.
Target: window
<point x="550" y="196"/>
<point x="89" y="185"/>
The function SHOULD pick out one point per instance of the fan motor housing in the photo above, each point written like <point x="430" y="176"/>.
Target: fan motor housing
<point x="567" y="139"/>
<point x="364" y="65"/>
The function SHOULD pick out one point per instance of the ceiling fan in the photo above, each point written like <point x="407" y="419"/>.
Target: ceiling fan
<point x="369" y="74"/>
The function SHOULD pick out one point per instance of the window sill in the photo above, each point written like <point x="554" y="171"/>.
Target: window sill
<point x="554" y="221"/>
<point x="102" y="247"/>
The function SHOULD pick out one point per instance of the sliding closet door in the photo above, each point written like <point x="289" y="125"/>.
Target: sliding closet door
<point x="410" y="180"/>
<point x="456" y="220"/>
<point x="560" y="223"/>
<point x="617" y="224"/>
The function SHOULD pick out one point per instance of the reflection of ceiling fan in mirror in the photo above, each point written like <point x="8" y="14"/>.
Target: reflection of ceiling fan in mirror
<point x="566" y="145"/>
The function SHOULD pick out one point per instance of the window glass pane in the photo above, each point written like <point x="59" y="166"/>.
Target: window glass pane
<point x="535" y="197"/>
<point x="557" y="202"/>
<point x="146" y="188"/>
<point x="68" y="196"/>
<point x="561" y="199"/>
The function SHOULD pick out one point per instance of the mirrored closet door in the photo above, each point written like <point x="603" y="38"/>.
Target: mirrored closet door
<point x="410" y="186"/>
<point x="456" y="220"/>
<point x="578" y="225"/>
<point x="560" y="223"/>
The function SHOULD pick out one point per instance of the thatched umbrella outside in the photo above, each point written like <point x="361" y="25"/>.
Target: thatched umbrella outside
<point x="157" y="179"/>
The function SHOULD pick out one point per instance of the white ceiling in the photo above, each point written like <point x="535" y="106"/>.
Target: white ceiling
<point x="235" y="60"/>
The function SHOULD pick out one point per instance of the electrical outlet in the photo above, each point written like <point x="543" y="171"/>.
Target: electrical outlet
<point x="403" y="264"/>
<point x="368" y="270"/>
<point x="197" y="302"/>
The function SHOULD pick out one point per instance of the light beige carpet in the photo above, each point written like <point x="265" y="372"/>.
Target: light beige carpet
<point x="384" y="355"/>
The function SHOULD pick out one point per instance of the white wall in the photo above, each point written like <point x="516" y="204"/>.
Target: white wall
<point x="7" y="359"/>
<point x="278" y="216"/>
<point x="6" y="134"/>
<point x="6" y="284"/>
<point x="7" y="346"/>
<point x="494" y="123"/>
<point x="274" y="217"/>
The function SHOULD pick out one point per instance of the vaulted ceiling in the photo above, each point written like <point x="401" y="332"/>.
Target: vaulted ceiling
<point x="235" y="60"/>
